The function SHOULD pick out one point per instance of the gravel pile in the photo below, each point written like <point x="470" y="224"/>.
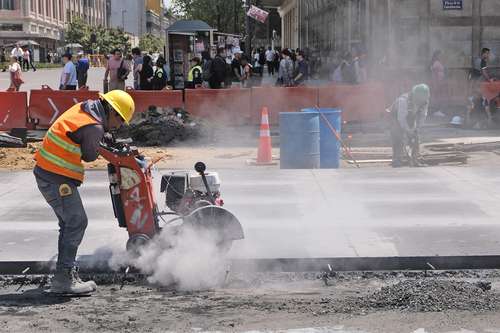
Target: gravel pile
<point x="425" y="295"/>
<point x="158" y="127"/>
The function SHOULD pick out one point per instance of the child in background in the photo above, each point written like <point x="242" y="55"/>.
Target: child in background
<point x="15" y="74"/>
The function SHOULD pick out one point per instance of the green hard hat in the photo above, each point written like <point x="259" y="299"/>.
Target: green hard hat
<point x="421" y="94"/>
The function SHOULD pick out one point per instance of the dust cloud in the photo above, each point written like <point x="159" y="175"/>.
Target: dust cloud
<point x="184" y="259"/>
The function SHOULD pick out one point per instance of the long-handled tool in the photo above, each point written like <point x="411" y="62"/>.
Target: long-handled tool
<point x="346" y="149"/>
<point x="409" y="150"/>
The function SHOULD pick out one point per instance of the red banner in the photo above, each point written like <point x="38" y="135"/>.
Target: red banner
<point x="257" y="14"/>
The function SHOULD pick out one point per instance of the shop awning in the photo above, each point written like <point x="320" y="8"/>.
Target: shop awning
<point x="189" y="26"/>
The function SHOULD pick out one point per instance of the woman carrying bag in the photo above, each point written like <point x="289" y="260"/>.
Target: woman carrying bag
<point x="15" y="74"/>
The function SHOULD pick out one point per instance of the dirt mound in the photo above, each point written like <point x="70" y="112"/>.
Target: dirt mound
<point x="425" y="295"/>
<point x="18" y="158"/>
<point x="24" y="158"/>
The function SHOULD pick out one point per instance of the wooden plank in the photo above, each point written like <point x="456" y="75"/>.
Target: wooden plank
<point x="370" y="161"/>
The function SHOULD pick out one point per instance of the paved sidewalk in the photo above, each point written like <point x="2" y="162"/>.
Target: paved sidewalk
<point x="51" y="77"/>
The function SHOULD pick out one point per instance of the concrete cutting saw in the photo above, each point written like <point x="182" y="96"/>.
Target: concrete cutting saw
<point x="192" y="197"/>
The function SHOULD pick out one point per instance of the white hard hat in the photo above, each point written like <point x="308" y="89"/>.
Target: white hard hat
<point x="457" y="120"/>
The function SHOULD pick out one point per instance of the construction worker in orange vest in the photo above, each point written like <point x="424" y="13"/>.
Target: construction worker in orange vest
<point x="75" y="137"/>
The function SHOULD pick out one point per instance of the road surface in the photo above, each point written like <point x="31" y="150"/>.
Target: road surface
<point x="296" y="213"/>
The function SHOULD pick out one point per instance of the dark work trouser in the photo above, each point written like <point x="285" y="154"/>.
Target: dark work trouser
<point x="25" y="65"/>
<point x="399" y="140"/>
<point x="82" y="79"/>
<point x="72" y="220"/>
<point x="270" y="67"/>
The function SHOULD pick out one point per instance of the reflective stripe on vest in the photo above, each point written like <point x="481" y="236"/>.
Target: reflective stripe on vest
<point x="61" y="162"/>
<point x="71" y="148"/>
<point x="191" y="75"/>
<point x="59" y="154"/>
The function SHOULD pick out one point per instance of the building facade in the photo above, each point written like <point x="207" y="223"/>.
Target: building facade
<point x="43" y="21"/>
<point x="92" y="12"/>
<point x="396" y="33"/>
<point x="138" y="17"/>
<point x="36" y="20"/>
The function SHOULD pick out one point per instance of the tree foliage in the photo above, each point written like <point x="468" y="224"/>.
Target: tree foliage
<point x="105" y="41"/>
<point x="223" y="15"/>
<point x="76" y="31"/>
<point x="151" y="43"/>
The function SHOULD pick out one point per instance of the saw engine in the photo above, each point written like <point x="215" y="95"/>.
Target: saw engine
<point x="186" y="191"/>
<point x="193" y="199"/>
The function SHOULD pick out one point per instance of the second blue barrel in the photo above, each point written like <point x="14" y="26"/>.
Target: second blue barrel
<point x="299" y="140"/>
<point x="329" y="145"/>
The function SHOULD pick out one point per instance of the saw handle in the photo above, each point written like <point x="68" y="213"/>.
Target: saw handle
<point x="200" y="167"/>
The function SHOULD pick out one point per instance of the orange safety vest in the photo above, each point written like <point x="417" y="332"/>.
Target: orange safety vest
<point x="59" y="154"/>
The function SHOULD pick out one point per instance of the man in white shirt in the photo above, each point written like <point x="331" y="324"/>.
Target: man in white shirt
<point x="270" y="60"/>
<point x="68" y="76"/>
<point x="18" y="53"/>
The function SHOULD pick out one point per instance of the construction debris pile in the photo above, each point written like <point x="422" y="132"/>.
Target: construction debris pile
<point x="425" y="295"/>
<point x="158" y="127"/>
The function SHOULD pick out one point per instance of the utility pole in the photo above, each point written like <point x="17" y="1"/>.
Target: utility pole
<point x="248" y="39"/>
<point x="235" y="29"/>
<point x="123" y="19"/>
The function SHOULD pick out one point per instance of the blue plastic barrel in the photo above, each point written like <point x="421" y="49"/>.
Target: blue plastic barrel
<point x="329" y="146"/>
<point x="299" y="140"/>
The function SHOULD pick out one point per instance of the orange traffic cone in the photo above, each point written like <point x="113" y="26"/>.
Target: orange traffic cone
<point x="264" y="154"/>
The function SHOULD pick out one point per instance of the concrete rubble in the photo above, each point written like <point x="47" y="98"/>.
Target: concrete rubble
<point x="157" y="127"/>
<point x="271" y="299"/>
<point x="426" y="295"/>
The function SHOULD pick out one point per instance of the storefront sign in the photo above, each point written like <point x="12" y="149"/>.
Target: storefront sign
<point x="257" y="14"/>
<point x="453" y="4"/>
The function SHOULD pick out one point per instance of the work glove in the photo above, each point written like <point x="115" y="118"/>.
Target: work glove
<point x="108" y="139"/>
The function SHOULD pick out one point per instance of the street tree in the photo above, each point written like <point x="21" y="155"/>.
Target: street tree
<point x="116" y="39"/>
<point x="224" y="15"/>
<point x="105" y="39"/>
<point x="151" y="43"/>
<point x="77" y="31"/>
